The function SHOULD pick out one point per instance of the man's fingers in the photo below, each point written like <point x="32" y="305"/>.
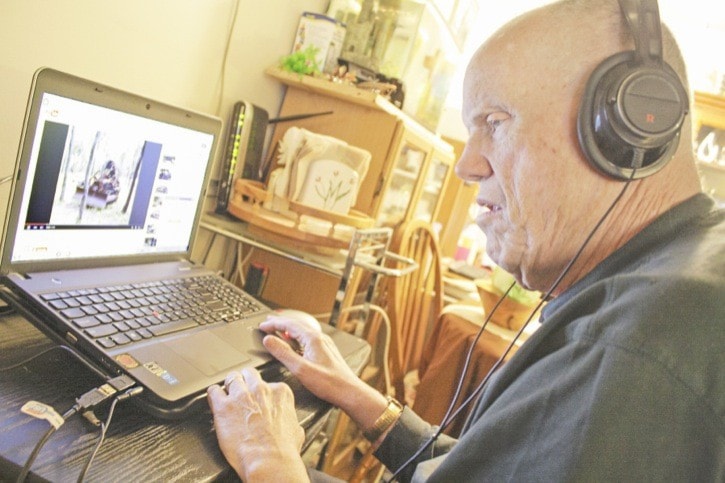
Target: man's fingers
<point x="251" y="377"/>
<point x="282" y="351"/>
<point x="214" y="393"/>
<point x="234" y="383"/>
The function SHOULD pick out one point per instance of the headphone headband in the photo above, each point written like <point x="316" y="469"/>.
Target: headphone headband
<point x="643" y="18"/>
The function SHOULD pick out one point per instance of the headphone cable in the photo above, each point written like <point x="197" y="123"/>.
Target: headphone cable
<point x="636" y="163"/>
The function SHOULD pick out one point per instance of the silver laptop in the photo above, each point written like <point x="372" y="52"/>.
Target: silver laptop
<point x="107" y="194"/>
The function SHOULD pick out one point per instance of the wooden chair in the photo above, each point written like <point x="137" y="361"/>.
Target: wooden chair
<point x="414" y="301"/>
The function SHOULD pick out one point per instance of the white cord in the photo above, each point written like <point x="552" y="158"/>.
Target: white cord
<point x="386" y="343"/>
<point x="241" y="262"/>
<point x="223" y="72"/>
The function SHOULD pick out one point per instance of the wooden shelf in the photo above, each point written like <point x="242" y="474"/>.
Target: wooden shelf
<point x="355" y="95"/>
<point x="338" y="90"/>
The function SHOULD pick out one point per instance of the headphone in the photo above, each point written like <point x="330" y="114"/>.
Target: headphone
<point x="634" y="103"/>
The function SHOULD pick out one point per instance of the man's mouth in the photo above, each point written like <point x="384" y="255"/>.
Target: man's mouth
<point x="486" y="207"/>
<point x="492" y="208"/>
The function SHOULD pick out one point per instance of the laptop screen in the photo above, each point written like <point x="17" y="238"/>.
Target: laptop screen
<point x="101" y="182"/>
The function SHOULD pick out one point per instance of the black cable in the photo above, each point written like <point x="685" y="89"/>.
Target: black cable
<point x="39" y="445"/>
<point x="12" y="299"/>
<point x="6" y="310"/>
<point x="208" y="249"/>
<point x="85" y="402"/>
<point x="59" y="347"/>
<point x="636" y="163"/>
<point x="56" y="347"/>
<point x="29" y="359"/>
<point x="469" y="357"/>
<point x="157" y="411"/>
<point x="171" y="413"/>
<point x="104" y="428"/>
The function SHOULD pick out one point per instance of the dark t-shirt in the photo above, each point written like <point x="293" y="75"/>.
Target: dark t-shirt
<point x="624" y="381"/>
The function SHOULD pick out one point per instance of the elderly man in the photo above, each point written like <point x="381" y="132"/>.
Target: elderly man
<point x="623" y="381"/>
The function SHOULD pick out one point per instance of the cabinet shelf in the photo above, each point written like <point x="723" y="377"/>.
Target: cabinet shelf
<point x="404" y="173"/>
<point x="338" y="90"/>
<point x="403" y="152"/>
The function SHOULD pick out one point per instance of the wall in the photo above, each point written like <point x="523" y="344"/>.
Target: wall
<point x="699" y="26"/>
<point x="169" y="50"/>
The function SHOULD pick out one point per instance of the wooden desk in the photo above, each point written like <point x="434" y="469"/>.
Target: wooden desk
<point x="137" y="447"/>
<point x="444" y="356"/>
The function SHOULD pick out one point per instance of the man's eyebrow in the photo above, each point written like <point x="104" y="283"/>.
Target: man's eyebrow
<point x="483" y="111"/>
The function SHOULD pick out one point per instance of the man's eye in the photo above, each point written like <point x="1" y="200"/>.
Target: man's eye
<point x="495" y="120"/>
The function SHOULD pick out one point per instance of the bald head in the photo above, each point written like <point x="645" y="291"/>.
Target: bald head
<point x="522" y="93"/>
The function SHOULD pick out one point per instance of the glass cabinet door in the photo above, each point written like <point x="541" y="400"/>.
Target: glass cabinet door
<point x="432" y="189"/>
<point x="403" y="178"/>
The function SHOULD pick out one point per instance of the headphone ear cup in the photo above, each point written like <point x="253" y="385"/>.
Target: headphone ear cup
<point x="630" y="117"/>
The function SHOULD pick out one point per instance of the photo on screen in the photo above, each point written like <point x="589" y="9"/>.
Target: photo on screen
<point x="91" y="178"/>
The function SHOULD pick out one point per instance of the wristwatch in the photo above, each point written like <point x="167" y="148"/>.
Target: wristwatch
<point x="385" y="421"/>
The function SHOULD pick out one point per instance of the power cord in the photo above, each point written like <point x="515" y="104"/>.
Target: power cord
<point x="225" y="57"/>
<point x="129" y="393"/>
<point x="50" y="349"/>
<point x="385" y="319"/>
<point x="39" y="445"/>
<point x="6" y="310"/>
<point x="13" y="300"/>
<point x="240" y="261"/>
<point x="84" y="404"/>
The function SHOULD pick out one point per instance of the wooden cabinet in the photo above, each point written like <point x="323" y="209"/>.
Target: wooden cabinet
<point x="415" y="180"/>
<point x="408" y="173"/>
<point x="410" y="166"/>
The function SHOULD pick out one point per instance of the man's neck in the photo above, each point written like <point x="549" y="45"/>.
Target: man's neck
<point x="642" y="203"/>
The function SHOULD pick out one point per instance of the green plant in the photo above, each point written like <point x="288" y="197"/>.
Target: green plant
<point x="302" y="62"/>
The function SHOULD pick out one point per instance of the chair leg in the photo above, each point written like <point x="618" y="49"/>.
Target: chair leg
<point x="369" y="470"/>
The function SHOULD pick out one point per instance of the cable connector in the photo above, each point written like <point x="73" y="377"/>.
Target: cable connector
<point x="96" y="396"/>
<point x="133" y="392"/>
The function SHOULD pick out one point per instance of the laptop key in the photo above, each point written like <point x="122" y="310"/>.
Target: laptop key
<point x="133" y="335"/>
<point x="115" y="316"/>
<point x="58" y="304"/>
<point x="104" y="318"/>
<point x="106" y="342"/>
<point x="73" y="313"/>
<point x="83" y="300"/>
<point x="86" y="322"/>
<point x="217" y="305"/>
<point x="89" y="309"/>
<point x="120" y="339"/>
<point x="101" y="331"/>
<point x="72" y="302"/>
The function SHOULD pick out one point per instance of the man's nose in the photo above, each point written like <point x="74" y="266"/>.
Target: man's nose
<point x="472" y="165"/>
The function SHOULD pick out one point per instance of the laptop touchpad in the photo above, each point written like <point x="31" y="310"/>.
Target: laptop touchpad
<point x="208" y="352"/>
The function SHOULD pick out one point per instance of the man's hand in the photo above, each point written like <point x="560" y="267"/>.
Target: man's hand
<point x="321" y="368"/>
<point x="257" y="428"/>
<point x="255" y="422"/>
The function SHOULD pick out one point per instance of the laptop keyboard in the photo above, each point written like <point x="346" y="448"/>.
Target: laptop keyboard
<point x="120" y="315"/>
